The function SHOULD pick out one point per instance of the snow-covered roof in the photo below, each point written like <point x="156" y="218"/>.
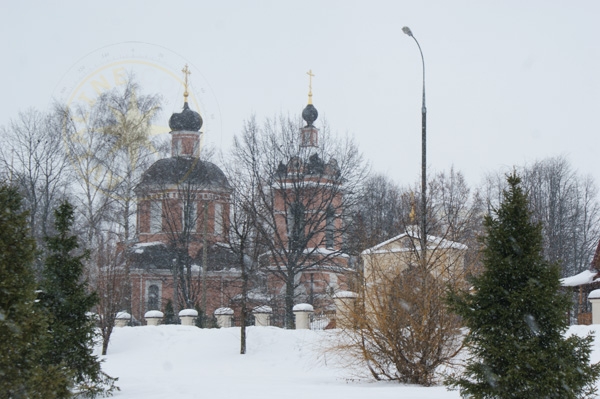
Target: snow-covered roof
<point x="139" y="247"/>
<point x="154" y="314"/>
<point x="254" y="296"/>
<point x="188" y="312"/>
<point x="316" y="251"/>
<point x="433" y="242"/>
<point x="325" y="251"/>
<point x="221" y="311"/>
<point x="585" y="277"/>
<point x="147" y="244"/>
<point x="303" y="307"/>
<point x="262" y="309"/>
<point x="345" y="294"/>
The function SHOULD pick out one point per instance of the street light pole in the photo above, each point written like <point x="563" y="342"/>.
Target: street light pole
<point x="423" y="235"/>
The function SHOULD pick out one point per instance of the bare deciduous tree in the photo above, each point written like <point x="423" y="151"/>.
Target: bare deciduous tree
<point x="379" y="213"/>
<point x="243" y="237"/>
<point x="110" y="145"/>
<point x="302" y="193"/>
<point x="401" y="328"/>
<point x="111" y="284"/>
<point x="566" y="205"/>
<point x="33" y="153"/>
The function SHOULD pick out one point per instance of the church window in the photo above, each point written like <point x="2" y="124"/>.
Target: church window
<point x="295" y="220"/>
<point x="330" y="228"/>
<point x="189" y="215"/>
<point x="153" y="297"/>
<point x="156" y="216"/>
<point x="218" y="218"/>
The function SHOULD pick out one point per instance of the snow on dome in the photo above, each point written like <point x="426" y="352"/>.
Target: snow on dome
<point x="154" y="314"/>
<point x="123" y="315"/>
<point x="345" y="294"/>
<point x="147" y="244"/>
<point x="303" y="307"/>
<point x="594" y="294"/>
<point x="262" y="309"/>
<point x="582" y="278"/>
<point x="188" y="312"/>
<point x="221" y="311"/>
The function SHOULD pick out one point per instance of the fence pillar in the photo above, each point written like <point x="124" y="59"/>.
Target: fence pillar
<point x="224" y="317"/>
<point x="122" y="319"/>
<point x="262" y="315"/>
<point x="188" y="317"/>
<point x="594" y="298"/>
<point x="154" y="317"/>
<point x="302" y="311"/>
<point x="345" y="302"/>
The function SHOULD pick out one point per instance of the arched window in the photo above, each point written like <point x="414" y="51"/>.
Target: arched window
<point x="153" y="297"/>
<point x="218" y="219"/>
<point x="155" y="216"/>
<point x="330" y="228"/>
<point x="296" y="225"/>
<point x="189" y="208"/>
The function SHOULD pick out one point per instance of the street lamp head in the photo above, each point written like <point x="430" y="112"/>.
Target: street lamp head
<point x="407" y="30"/>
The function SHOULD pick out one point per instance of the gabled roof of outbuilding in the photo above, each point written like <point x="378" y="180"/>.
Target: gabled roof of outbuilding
<point x="433" y="242"/>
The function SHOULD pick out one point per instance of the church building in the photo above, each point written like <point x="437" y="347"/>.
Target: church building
<point x="183" y="204"/>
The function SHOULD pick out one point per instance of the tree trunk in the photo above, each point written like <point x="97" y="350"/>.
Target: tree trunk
<point x="244" y="304"/>
<point x="289" y="303"/>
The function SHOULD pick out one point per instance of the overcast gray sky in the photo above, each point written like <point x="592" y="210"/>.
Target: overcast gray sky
<point x="508" y="82"/>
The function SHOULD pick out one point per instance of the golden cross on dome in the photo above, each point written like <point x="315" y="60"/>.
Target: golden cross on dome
<point x="310" y="76"/>
<point x="186" y="72"/>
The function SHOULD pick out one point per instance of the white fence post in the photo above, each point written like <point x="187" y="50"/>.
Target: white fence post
<point x="262" y="315"/>
<point x="188" y="317"/>
<point x="154" y="317"/>
<point x="302" y="311"/>
<point x="224" y="317"/>
<point x="122" y="319"/>
<point x="344" y="308"/>
<point x="594" y="298"/>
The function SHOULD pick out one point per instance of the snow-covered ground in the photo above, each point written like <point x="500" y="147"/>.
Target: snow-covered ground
<point x="187" y="362"/>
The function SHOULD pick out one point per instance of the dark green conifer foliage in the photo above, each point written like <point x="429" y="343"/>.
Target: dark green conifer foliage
<point x="516" y="317"/>
<point x="22" y="326"/>
<point x="66" y="298"/>
<point x="170" y="317"/>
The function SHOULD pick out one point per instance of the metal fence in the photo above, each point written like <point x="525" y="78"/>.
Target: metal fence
<point x="322" y="321"/>
<point x="318" y="321"/>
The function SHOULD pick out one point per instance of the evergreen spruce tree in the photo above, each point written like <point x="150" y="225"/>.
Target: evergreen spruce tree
<point x="170" y="317"/>
<point x="22" y="326"/>
<point x="516" y="317"/>
<point x="66" y="298"/>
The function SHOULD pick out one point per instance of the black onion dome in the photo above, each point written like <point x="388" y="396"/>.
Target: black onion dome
<point x="177" y="170"/>
<point x="186" y="120"/>
<point x="310" y="114"/>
